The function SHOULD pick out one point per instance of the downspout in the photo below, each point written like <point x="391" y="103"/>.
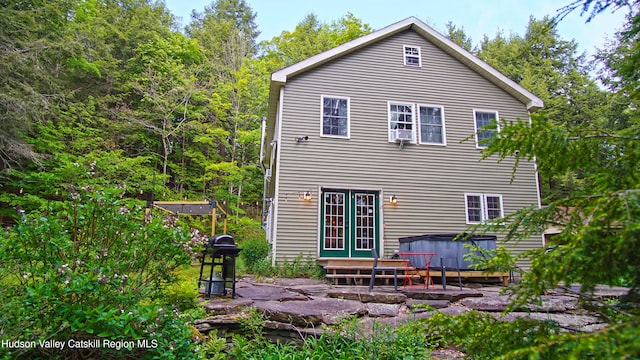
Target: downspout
<point x="276" y="177"/>
<point x="263" y="134"/>
<point x="537" y="179"/>
<point x="264" y="172"/>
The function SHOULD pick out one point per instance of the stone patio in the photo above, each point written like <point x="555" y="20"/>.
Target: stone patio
<point x="295" y="308"/>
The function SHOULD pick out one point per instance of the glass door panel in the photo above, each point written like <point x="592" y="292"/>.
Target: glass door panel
<point x="333" y="231"/>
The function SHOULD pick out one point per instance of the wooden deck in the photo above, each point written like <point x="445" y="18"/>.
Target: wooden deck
<point x="354" y="271"/>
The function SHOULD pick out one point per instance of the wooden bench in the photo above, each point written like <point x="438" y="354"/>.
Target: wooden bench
<point x="359" y="269"/>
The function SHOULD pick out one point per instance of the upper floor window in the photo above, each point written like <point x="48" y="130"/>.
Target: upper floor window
<point x="401" y="122"/>
<point x="412" y="56"/>
<point x="486" y="126"/>
<point x="431" y="125"/>
<point x="482" y="207"/>
<point x="335" y="116"/>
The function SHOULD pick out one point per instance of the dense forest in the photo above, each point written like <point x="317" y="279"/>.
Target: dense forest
<point x="111" y="92"/>
<point x="115" y="93"/>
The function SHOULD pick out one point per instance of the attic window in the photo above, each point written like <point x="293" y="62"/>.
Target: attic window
<point x="412" y="56"/>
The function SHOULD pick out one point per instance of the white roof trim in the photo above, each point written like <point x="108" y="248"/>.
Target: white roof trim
<point x="533" y="102"/>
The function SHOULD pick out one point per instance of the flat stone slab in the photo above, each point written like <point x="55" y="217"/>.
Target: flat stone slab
<point x="311" y="290"/>
<point x="549" y="304"/>
<point x="415" y="304"/>
<point x="600" y="291"/>
<point x="367" y="297"/>
<point x="574" y="321"/>
<point x="392" y="322"/>
<point x="287" y="282"/>
<point x="217" y="322"/>
<point x="224" y="306"/>
<point x="264" y="292"/>
<point x="450" y="295"/>
<point x="311" y="312"/>
<point x="381" y="310"/>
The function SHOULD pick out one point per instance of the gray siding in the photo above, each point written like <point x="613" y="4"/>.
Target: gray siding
<point x="429" y="180"/>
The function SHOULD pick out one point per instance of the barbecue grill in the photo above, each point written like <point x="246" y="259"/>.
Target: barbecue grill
<point x="219" y="259"/>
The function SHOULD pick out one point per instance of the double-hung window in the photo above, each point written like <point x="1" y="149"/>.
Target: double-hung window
<point x="401" y="122"/>
<point x="486" y="126"/>
<point x="412" y="56"/>
<point x="335" y="116"/>
<point x="483" y="207"/>
<point x="431" y="125"/>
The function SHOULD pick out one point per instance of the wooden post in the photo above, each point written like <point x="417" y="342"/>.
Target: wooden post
<point x="213" y="221"/>
<point x="225" y="225"/>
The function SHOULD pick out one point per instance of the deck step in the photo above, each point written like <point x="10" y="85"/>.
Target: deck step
<point x="359" y="269"/>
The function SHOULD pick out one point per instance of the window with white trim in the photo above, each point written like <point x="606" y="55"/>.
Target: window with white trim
<point x="401" y="122"/>
<point x="482" y="207"/>
<point x="335" y="116"/>
<point x="431" y="127"/>
<point x="412" y="56"/>
<point x="482" y="119"/>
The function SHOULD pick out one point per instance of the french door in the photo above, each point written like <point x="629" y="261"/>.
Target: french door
<point x="349" y="223"/>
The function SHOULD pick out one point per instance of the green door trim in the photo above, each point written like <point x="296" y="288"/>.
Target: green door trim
<point x="334" y="223"/>
<point x="365" y="223"/>
<point x="349" y="223"/>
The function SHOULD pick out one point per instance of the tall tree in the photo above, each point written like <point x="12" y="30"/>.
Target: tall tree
<point x="32" y="56"/>
<point x="458" y="36"/>
<point x="311" y="37"/>
<point x="551" y="68"/>
<point x="162" y="77"/>
<point x="227" y="33"/>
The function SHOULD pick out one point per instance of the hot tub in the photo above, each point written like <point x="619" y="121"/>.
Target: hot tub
<point x="444" y="246"/>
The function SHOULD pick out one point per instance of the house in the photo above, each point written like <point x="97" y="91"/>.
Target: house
<point x="365" y="143"/>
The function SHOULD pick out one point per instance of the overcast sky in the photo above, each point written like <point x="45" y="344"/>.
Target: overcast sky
<point x="477" y="17"/>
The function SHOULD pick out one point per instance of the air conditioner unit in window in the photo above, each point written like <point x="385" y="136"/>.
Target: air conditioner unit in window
<point x="403" y="134"/>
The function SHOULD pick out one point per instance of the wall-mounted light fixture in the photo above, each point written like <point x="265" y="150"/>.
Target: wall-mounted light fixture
<point x="307" y="196"/>
<point x="302" y="138"/>
<point x="393" y="200"/>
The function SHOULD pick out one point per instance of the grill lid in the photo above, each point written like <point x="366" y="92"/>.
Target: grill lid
<point x="221" y="240"/>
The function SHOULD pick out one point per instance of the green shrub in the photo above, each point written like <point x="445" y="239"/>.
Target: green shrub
<point x="300" y="267"/>
<point x="263" y="268"/>
<point x="92" y="269"/>
<point x="342" y="341"/>
<point x="481" y="336"/>
<point x="182" y="295"/>
<point x="254" y="250"/>
<point x="245" y="228"/>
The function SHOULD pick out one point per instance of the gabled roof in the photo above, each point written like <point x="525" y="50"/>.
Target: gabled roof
<point x="280" y="77"/>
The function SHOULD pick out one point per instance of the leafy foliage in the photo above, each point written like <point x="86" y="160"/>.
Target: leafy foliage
<point x="550" y="67"/>
<point x="91" y="269"/>
<point x="253" y="252"/>
<point x="343" y="341"/>
<point x="481" y="336"/>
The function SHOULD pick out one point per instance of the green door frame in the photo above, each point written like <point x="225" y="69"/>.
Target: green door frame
<point x="349" y="223"/>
